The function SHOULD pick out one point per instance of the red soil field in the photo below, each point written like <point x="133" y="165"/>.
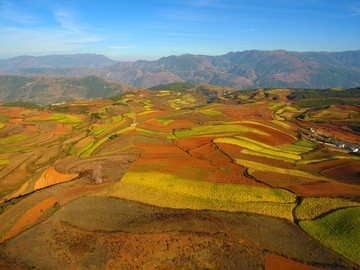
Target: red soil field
<point x="190" y="143"/>
<point x="40" y="116"/>
<point x="327" y="189"/>
<point x="51" y="177"/>
<point x="236" y="113"/>
<point x="321" y="166"/>
<point x="30" y="217"/>
<point x="60" y="129"/>
<point x="275" y="262"/>
<point x="202" y="150"/>
<point x="155" y="126"/>
<point x="283" y="180"/>
<point x="278" y="138"/>
<point x="11" y="111"/>
<point x="32" y="128"/>
<point x="268" y="161"/>
<point x="348" y="173"/>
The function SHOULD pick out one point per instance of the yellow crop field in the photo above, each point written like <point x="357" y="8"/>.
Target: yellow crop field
<point x="166" y="190"/>
<point x="311" y="208"/>
<point x="267" y="168"/>
<point x="259" y="147"/>
<point x="213" y="129"/>
<point x="210" y="112"/>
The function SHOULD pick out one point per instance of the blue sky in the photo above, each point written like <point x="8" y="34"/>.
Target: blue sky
<point x="149" y="29"/>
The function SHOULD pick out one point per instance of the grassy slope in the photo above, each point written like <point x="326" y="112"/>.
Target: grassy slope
<point x="339" y="230"/>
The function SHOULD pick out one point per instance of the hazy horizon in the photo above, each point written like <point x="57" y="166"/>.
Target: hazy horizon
<point x="149" y="30"/>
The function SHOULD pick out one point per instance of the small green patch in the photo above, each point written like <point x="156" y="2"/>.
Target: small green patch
<point x="4" y="118"/>
<point x="13" y="139"/>
<point x="165" y="121"/>
<point x="211" y="112"/>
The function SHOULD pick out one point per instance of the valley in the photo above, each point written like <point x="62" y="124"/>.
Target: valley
<point x="181" y="176"/>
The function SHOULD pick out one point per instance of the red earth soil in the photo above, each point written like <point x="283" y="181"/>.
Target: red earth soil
<point x="30" y="217"/>
<point x="32" y="128"/>
<point x="60" y="129"/>
<point x="307" y="187"/>
<point x="275" y="262"/>
<point x="190" y="143"/>
<point x="323" y="166"/>
<point x="348" y="173"/>
<point x="202" y="150"/>
<point x="278" y="138"/>
<point x="41" y="116"/>
<point x="327" y="189"/>
<point x="51" y="177"/>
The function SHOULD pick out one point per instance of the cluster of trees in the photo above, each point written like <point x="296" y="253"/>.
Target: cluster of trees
<point x="324" y="93"/>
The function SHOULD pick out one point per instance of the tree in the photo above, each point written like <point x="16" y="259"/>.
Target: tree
<point x="97" y="173"/>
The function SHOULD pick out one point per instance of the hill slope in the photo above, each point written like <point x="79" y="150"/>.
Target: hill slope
<point x="43" y="91"/>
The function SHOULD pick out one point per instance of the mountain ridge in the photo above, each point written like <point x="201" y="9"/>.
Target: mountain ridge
<point x="246" y="69"/>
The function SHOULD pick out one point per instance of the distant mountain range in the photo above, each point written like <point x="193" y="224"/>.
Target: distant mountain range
<point x="247" y="69"/>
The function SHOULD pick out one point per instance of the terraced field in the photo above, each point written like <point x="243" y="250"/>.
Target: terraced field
<point x="161" y="179"/>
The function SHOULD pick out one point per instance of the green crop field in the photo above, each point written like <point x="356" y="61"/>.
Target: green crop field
<point x="339" y="230"/>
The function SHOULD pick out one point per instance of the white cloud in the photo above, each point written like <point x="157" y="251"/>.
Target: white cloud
<point x="10" y="12"/>
<point x="67" y="20"/>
